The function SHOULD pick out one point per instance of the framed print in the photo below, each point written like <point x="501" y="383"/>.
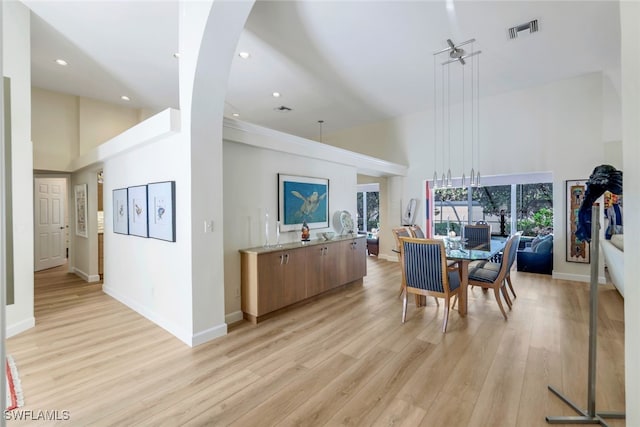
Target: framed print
<point x="302" y="199"/>
<point x="81" y="210"/>
<point x="120" y="211"/>
<point x="577" y="251"/>
<point x="137" y="204"/>
<point x="161" y="202"/>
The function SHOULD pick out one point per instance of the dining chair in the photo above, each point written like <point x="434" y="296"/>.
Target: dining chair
<point x="425" y="272"/>
<point x="416" y="232"/>
<point x="491" y="275"/>
<point x="477" y="236"/>
<point x="397" y="233"/>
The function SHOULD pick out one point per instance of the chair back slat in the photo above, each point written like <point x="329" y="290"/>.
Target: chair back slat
<point x="424" y="265"/>
<point x="509" y="251"/>
<point x="477" y="235"/>
<point x="514" y="250"/>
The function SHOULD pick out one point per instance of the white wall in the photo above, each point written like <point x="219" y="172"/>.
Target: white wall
<point x="54" y="128"/>
<point x="251" y="188"/>
<point x="611" y="106"/>
<point x="376" y="139"/>
<point x="100" y="121"/>
<point x="556" y="127"/>
<point x="211" y="39"/>
<point x="67" y="126"/>
<point x="151" y="276"/>
<point x="17" y="66"/>
<point x="629" y="18"/>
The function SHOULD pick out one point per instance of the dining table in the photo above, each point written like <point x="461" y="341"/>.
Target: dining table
<point x="457" y="251"/>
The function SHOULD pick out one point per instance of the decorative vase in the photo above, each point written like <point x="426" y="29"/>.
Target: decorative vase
<point x="266" y="228"/>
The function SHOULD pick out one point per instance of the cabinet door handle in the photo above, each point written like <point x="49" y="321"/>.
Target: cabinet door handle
<point x="286" y="257"/>
<point x="281" y="259"/>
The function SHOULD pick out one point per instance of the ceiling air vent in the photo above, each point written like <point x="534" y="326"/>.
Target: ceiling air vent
<point x="532" y="26"/>
<point x="283" y="109"/>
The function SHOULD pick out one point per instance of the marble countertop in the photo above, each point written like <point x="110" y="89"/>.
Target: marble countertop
<point x="299" y="244"/>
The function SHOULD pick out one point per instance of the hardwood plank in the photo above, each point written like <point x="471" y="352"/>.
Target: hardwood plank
<point x="343" y="358"/>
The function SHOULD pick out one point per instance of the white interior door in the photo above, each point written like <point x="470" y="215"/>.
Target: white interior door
<point x="50" y="227"/>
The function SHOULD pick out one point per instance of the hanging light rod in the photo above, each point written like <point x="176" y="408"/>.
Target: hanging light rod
<point x="453" y="46"/>
<point x="456" y="53"/>
<point x="462" y="58"/>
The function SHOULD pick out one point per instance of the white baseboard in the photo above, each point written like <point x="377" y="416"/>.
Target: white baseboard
<point x="21" y="326"/>
<point x="149" y="314"/>
<point x="234" y="317"/>
<point x="577" y="277"/>
<point x="186" y="337"/>
<point x="85" y="276"/>
<point x="209" y="334"/>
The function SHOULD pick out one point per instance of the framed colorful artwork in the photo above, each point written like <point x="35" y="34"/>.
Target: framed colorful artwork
<point x="577" y="250"/>
<point x="302" y="199"/>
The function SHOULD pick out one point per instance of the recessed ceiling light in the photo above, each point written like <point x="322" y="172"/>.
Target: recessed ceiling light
<point x="276" y="94"/>
<point x="62" y="62"/>
<point x="236" y="115"/>
<point x="125" y="98"/>
<point x="244" y="55"/>
<point x="176" y="55"/>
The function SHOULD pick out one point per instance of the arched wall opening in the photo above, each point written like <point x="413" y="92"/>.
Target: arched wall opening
<point x="203" y="107"/>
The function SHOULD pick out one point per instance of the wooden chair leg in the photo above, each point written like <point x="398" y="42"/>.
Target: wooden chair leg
<point x="455" y="300"/>
<point x="496" y="291"/>
<point x="505" y="294"/>
<point x="446" y="316"/>
<point x="437" y="302"/>
<point x="511" y="287"/>
<point x="404" y="306"/>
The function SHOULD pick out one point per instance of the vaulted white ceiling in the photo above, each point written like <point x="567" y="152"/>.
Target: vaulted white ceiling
<point x="347" y="63"/>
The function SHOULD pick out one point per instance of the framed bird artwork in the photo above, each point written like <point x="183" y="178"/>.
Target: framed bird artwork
<point x="137" y="204"/>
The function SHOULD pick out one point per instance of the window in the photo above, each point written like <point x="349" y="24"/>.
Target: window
<point x="368" y="202"/>
<point x="495" y="204"/>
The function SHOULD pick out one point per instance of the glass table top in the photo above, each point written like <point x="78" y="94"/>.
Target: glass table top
<point x="477" y="253"/>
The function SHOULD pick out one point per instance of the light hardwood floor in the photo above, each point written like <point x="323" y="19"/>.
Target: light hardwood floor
<point x="344" y="359"/>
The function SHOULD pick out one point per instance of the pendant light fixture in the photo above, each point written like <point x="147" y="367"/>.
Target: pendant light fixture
<point x="457" y="55"/>
<point x="320" y="123"/>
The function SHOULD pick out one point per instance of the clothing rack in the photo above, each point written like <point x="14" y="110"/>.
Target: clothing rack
<point x="590" y="416"/>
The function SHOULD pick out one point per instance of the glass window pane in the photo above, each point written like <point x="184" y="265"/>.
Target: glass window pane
<point x="360" y="209"/>
<point x="535" y="208"/>
<point x="495" y="203"/>
<point x="373" y="210"/>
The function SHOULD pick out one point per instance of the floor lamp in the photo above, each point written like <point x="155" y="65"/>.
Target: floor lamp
<point x="590" y="416"/>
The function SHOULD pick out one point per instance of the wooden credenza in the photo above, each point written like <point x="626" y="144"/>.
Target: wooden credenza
<point x="274" y="278"/>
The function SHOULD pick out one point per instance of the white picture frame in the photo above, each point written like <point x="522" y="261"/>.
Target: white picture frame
<point x="120" y="211"/>
<point x="137" y="208"/>
<point x="80" y="193"/>
<point x="161" y="202"/>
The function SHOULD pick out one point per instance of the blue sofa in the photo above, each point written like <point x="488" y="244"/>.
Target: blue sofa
<point x="536" y="255"/>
